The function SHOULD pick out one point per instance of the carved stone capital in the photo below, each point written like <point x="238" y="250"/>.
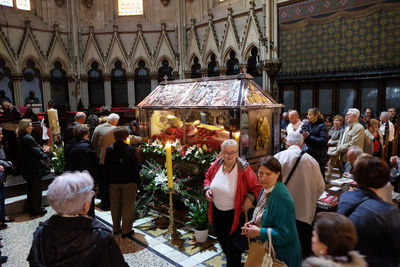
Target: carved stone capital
<point x="165" y="2"/>
<point x="154" y="75"/>
<point x="87" y="3"/>
<point x="222" y="70"/>
<point x="204" y="72"/>
<point x="272" y="66"/>
<point x="130" y="76"/>
<point x="107" y="77"/>
<point x="60" y="3"/>
<point x="84" y="78"/>
<point x="188" y="74"/>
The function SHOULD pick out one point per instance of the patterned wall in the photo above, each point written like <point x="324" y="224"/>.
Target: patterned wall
<point x="361" y="39"/>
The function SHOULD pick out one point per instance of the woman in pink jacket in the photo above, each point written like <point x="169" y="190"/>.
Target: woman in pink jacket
<point x="227" y="184"/>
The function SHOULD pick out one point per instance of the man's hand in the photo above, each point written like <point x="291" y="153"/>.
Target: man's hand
<point x="305" y="134"/>
<point x="209" y="195"/>
<point x="1" y="168"/>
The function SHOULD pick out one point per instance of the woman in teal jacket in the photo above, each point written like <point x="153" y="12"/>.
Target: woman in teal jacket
<point x="275" y="210"/>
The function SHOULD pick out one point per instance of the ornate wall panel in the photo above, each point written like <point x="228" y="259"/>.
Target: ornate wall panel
<point x="366" y="38"/>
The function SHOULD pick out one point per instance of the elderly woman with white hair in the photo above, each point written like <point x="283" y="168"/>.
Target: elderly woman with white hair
<point x="70" y="237"/>
<point x="227" y="184"/>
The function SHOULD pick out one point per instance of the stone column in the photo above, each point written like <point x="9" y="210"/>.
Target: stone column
<point x="131" y="89"/>
<point x="17" y="81"/>
<point x="84" y="94"/>
<point x="107" y="90"/>
<point x="154" y="80"/>
<point x="46" y="91"/>
<point x="73" y="101"/>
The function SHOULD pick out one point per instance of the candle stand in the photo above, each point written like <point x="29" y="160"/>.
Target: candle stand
<point x="172" y="233"/>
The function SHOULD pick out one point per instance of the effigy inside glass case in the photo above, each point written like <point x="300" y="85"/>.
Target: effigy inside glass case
<point x="209" y="111"/>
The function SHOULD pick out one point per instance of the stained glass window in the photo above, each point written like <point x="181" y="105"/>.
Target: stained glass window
<point x="6" y="2"/>
<point x="23" y="4"/>
<point x="130" y="7"/>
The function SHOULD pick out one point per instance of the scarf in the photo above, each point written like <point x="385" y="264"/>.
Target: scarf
<point x="259" y="211"/>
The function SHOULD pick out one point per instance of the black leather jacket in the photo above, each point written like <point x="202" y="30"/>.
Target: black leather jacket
<point x="74" y="241"/>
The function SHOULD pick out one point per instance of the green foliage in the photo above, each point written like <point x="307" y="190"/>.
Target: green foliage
<point x="154" y="188"/>
<point x="198" y="154"/>
<point x="197" y="213"/>
<point x="57" y="160"/>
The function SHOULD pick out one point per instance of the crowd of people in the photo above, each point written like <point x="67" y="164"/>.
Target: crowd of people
<point x="277" y="205"/>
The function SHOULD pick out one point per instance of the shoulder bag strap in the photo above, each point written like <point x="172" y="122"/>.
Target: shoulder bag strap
<point x="270" y="247"/>
<point x="294" y="167"/>
<point x="350" y="211"/>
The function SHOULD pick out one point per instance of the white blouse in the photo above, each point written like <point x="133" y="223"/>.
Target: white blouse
<point x="223" y="188"/>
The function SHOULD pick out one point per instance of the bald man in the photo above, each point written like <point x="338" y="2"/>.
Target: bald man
<point x="79" y="119"/>
<point x="295" y="122"/>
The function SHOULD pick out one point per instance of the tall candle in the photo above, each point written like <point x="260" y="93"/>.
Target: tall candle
<point x="169" y="165"/>
<point x="237" y="138"/>
<point x="53" y="121"/>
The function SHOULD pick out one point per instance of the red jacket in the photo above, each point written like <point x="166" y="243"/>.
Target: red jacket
<point x="247" y="182"/>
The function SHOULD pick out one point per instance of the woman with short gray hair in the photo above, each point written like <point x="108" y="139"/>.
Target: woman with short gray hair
<point x="70" y="237"/>
<point x="227" y="184"/>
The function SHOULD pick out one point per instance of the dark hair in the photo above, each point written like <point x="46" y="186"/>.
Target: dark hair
<point x="121" y="133"/>
<point x="337" y="232"/>
<point x="273" y="165"/>
<point x="316" y="112"/>
<point x="80" y="131"/>
<point x="371" y="171"/>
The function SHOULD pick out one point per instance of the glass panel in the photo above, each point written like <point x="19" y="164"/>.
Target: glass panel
<point x="325" y="98"/>
<point x="393" y="93"/>
<point x="288" y="99"/>
<point x="24" y="4"/>
<point x="369" y="95"/>
<point x="306" y="94"/>
<point x="346" y="97"/>
<point x="130" y="7"/>
<point x="6" y="2"/>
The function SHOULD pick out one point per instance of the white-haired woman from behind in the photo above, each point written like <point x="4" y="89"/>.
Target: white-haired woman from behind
<point x="70" y="237"/>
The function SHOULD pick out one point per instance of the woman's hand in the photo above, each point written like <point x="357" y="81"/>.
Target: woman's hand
<point x="251" y="230"/>
<point x="247" y="204"/>
<point x="209" y="195"/>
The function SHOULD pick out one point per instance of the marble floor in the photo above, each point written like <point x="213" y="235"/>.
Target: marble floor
<point x="149" y="247"/>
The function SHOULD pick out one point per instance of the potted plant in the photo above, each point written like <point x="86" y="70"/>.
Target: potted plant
<point x="198" y="214"/>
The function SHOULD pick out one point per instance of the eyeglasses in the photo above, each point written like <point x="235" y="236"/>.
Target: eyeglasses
<point x="230" y="153"/>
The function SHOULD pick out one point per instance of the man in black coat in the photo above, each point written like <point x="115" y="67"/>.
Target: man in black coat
<point x="80" y="118"/>
<point x="122" y="175"/>
<point x="316" y="137"/>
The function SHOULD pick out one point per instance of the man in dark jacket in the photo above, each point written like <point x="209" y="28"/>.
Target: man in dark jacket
<point x="70" y="238"/>
<point x="316" y="137"/>
<point x="80" y="118"/>
<point x="369" y="213"/>
<point x="122" y="175"/>
<point x="80" y="156"/>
